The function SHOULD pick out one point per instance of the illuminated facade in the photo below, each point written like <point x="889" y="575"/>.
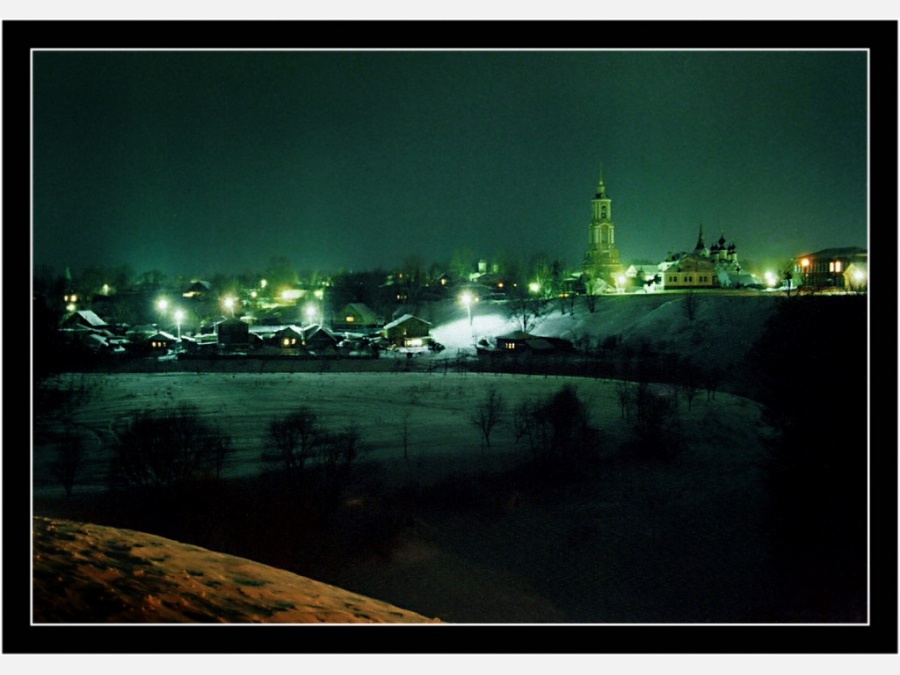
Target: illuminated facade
<point x="601" y="261"/>
<point x="827" y="268"/>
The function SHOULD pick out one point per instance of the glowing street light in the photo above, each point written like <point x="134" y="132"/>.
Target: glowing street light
<point x="162" y="305"/>
<point x="467" y="299"/>
<point x="229" y="305"/>
<point x="620" y="283"/>
<point x="179" y="317"/>
<point x="534" y="287"/>
<point x="310" y="313"/>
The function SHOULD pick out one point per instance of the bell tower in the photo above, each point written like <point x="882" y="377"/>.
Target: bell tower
<point x="601" y="261"/>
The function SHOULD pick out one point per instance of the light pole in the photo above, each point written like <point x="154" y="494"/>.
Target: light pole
<point x="179" y="316"/>
<point x="466" y="299"/>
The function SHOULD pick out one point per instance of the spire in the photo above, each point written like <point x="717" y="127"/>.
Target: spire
<point x="601" y="188"/>
<point x="700" y="245"/>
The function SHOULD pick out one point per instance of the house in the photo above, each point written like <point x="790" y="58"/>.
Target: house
<point x="233" y="333"/>
<point x="84" y="318"/>
<point x="407" y="331"/>
<point x="519" y="342"/>
<point x="691" y="271"/>
<point x="289" y="337"/>
<point x="826" y="268"/>
<point x="198" y="290"/>
<point x="356" y="316"/>
<point x="162" y="341"/>
<point x="319" y="339"/>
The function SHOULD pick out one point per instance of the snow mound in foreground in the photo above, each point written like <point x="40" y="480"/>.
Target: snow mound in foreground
<point x="86" y="573"/>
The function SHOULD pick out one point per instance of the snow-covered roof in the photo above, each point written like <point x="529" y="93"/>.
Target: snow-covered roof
<point x="404" y="319"/>
<point x="163" y="335"/>
<point x="86" y="316"/>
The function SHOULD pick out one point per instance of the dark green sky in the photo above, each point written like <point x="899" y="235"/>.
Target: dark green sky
<point x="197" y="162"/>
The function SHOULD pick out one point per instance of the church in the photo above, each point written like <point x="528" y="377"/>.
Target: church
<point x="601" y="261"/>
<point x="713" y="266"/>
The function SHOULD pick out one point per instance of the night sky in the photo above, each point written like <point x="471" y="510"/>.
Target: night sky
<point x="199" y="162"/>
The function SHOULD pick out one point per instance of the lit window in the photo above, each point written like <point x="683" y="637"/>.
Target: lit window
<point x="351" y="319"/>
<point x="837" y="266"/>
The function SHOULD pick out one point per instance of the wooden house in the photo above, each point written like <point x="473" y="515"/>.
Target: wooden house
<point x="319" y="339"/>
<point x="356" y="317"/>
<point x="161" y="341"/>
<point x="289" y="337"/>
<point x="407" y="331"/>
<point x="233" y="333"/>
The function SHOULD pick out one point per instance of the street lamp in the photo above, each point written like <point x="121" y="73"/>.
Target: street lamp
<point x="229" y="304"/>
<point x="162" y="305"/>
<point x="467" y="299"/>
<point x="179" y="316"/>
<point x="310" y="312"/>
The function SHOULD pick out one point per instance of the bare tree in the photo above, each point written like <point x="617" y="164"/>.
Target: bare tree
<point x="163" y="449"/>
<point x="525" y="309"/>
<point x="489" y="413"/>
<point x="69" y="455"/>
<point x="296" y="437"/>
<point x="711" y="379"/>
<point x="591" y="294"/>
<point x="337" y="453"/>
<point x="690" y="305"/>
<point x="625" y="396"/>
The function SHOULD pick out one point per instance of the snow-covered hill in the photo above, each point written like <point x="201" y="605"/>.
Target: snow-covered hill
<point x="86" y="573"/>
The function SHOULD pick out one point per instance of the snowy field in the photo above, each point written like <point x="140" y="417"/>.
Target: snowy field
<point x="682" y="540"/>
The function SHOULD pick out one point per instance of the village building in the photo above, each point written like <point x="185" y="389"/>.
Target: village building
<point x="319" y="339"/>
<point x="356" y="316"/>
<point x="84" y="318"/>
<point x="233" y="334"/>
<point x="407" y="331"/>
<point x="161" y="341"/>
<point x="826" y="269"/>
<point x="289" y="338"/>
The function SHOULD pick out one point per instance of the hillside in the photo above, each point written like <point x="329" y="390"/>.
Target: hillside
<point x="87" y="573"/>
